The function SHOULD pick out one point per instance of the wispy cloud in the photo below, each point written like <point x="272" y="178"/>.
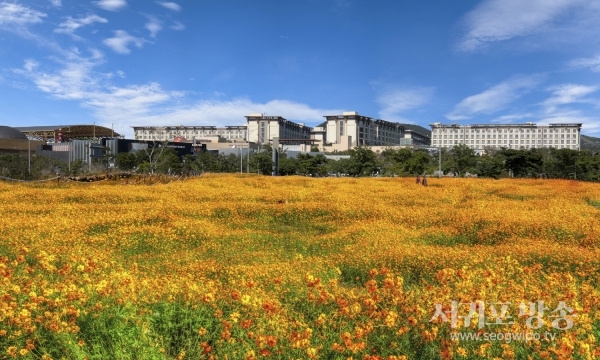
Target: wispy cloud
<point x="70" y="25"/>
<point x="568" y="94"/>
<point x="13" y="14"/>
<point x="506" y="119"/>
<point x="56" y="3"/>
<point x="170" y="5"/>
<point x="495" y="98"/>
<point x="153" y="25"/>
<point x="498" y="20"/>
<point x="592" y="63"/>
<point x="122" y="40"/>
<point x="177" y="26"/>
<point x="394" y="100"/>
<point x="111" y="5"/>
<point x="150" y="104"/>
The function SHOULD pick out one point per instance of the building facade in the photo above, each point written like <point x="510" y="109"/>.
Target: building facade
<point x="262" y="129"/>
<point x="183" y="133"/>
<point x="510" y="136"/>
<point x="358" y="130"/>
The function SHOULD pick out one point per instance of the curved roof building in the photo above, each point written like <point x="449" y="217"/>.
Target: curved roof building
<point x="7" y="132"/>
<point x="12" y="141"/>
<point x="68" y="132"/>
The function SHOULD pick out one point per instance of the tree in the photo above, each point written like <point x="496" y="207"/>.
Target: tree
<point x="363" y="162"/>
<point x="205" y="162"/>
<point x="489" y="166"/>
<point x="126" y="161"/>
<point x="262" y="163"/>
<point x="462" y="158"/>
<point x="417" y="164"/>
<point x="522" y="162"/>
<point x="152" y="155"/>
<point x="287" y="165"/>
<point x="168" y="162"/>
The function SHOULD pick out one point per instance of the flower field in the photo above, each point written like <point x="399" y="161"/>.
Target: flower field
<point x="249" y="267"/>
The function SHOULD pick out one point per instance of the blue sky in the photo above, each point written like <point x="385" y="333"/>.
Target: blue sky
<point x="133" y="62"/>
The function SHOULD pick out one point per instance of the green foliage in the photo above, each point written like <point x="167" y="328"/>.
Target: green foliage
<point x="126" y="161"/>
<point x="489" y="166"/>
<point x="363" y="162"/>
<point x="262" y="162"/>
<point x="522" y="163"/>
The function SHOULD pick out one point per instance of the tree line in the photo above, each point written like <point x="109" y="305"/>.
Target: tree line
<point x="362" y="161"/>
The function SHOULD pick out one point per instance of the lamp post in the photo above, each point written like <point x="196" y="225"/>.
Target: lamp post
<point x="29" y="148"/>
<point x="248" y="142"/>
<point x="440" y="165"/>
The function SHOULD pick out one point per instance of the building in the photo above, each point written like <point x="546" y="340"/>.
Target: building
<point x="262" y="129"/>
<point x="61" y="133"/>
<point x="510" y="136"/>
<point x="357" y="130"/>
<point x="349" y="130"/>
<point x="415" y="135"/>
<point x="188" y="133"/>
<point x="14" y="141"/>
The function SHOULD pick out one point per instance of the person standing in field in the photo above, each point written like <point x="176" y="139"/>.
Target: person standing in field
<point x="418" y="180"/>
<point x="424" y="182"/>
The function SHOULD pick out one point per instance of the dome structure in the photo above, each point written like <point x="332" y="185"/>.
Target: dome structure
<point x="7" y="132"/>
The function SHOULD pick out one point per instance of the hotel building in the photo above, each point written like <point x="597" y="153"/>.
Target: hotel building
<point x="262" y="129"/>
<point x="510" y="136"/>
<point x="169" y="133"/>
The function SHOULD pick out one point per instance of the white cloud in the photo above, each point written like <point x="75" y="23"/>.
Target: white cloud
<point x="150" y="104"/>
<point x="170" y="5"/>
<point x="177" y="26"/>
<point x="13" y="14"/>
<point x="121" y="41"/>
<point x="592" y="63"/>
<point x="498" y="20"/>
<point x="56" y="3"/>
<point x="495" y="98"/>
<point x="506" y="119"/>
<point x="591" y="124"/>
<point x="567" y="94"/>
<point x="30" y="65"/>
<point x="394" y="100"/>
<point x="111" y="5"/>
<point x="153" y="25"/>
<point x="70" y="25"/>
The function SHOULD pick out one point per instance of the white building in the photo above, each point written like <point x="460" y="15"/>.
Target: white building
<point x="510" y="136"/>
<point x="169" y="133"/>
<point x="262" y="129"/>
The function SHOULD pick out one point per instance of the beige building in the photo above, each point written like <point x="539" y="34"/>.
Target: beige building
<point x="262" y="129"/>
<point x="169" y="133"/>
<point x="510" y="136"/>
<point x="358" y="130"/>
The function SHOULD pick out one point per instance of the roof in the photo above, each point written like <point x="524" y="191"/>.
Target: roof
<point x="7" y="132"/>
<point x="418" y="129"/>
<point x="69" y="131"/>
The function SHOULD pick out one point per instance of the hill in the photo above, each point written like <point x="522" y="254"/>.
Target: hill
<point x="590" y="143"/>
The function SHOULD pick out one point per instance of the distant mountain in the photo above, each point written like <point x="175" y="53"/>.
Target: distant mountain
<point x="590" y="143"/>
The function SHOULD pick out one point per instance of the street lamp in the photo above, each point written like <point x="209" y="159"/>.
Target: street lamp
<point x="248" y="142"/>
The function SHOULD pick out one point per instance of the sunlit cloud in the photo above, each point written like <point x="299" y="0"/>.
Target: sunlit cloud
<point x="111" y="5"/>
<point x="170" y="5"/>
<point x="495" y="98"/>
<point x="120" y="43"/>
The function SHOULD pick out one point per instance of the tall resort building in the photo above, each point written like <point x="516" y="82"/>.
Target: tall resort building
<point x="262" y="129"/>
<point x="509" y="136"/>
